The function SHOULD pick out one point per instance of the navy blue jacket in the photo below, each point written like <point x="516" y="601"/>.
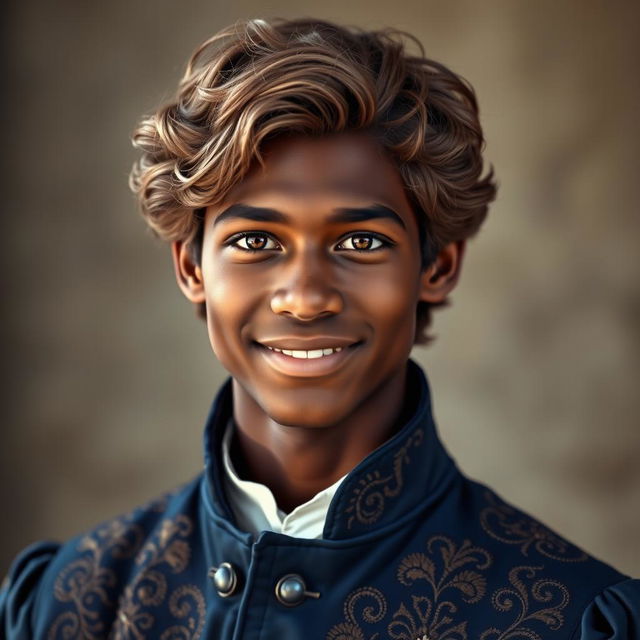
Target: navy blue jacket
<point x="412" y="550"/>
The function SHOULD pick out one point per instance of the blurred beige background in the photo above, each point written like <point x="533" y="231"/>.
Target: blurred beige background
<point x="108" y="375"/>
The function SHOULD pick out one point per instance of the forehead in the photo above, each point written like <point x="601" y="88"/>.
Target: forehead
<point x="350" y="166"/>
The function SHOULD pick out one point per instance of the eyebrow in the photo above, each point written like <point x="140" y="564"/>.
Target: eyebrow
<point x="342" y="214"/>
<point x="247" y="212"/>
<point x="364" y="214"/>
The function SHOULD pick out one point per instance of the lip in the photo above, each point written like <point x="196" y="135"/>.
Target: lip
<point x="307" y="344"/>
<point x="307" y="368"/>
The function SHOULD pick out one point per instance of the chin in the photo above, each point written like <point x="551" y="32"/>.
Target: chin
<point x="305" y="415"/>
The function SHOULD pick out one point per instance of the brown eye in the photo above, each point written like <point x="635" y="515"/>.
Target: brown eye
<point x="256" y="242"/>
<point x="361" y="242"/>
<point x="253" y="242"/>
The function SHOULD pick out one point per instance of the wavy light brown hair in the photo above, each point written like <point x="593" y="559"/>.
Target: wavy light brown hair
<point x="259" y="80"/>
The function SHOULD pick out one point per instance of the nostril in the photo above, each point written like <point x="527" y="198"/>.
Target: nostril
<point x="304" y="304"/>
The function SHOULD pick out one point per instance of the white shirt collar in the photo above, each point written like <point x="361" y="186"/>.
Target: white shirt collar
<point x="255" y="508"/>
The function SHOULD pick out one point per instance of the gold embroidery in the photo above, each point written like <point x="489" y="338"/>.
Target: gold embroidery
<point x="543" y="591"/>
<point x="504" y="523"/>
<point x="86" y="584"/>
<point x="428" y="616"/>
<point x="182" y="602"/>
<point x="373" y="612"/>
<point x="368" y="501"/>
<point x="149" y="588"/>
<point x="432" y="616"/>
<point x="90" y="585"/>
<point x="405" y="625"/>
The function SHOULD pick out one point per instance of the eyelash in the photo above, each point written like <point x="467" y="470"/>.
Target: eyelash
<point x="246" y="234"/>
<point x="231" y="242"/>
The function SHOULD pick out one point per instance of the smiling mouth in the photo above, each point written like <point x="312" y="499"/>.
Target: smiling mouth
<point x="307" y="363"/>
<point x="307" y="355"/>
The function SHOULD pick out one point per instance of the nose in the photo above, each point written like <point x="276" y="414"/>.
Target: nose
<point x="307" y="291"/>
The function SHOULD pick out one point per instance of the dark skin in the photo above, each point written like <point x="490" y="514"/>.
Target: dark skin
<point x="316" y="253"/>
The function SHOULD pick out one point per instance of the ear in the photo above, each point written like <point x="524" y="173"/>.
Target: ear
<point x="188" y="273"/>
<point x="441" y="276"/>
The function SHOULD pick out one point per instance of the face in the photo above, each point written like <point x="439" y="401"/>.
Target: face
<point x="310" y="274"/>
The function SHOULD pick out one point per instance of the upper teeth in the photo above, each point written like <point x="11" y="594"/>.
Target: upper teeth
<point x="316" y="353"/>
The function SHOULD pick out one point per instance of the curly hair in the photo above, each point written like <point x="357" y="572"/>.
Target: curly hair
<point x="258" y="80"/>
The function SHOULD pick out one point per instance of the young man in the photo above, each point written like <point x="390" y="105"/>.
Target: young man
<point x="318" y="185"/>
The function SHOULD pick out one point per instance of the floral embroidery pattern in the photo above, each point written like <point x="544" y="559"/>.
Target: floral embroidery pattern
<point x="429" y="616"/>
<point x="373" y="611"/>
<point x="90" y="586"/>
<point x="510" y="526"/>
<point x="170" y="550"/>
<point x="433" y="615"/>
<point x="86" y="583"/>
<point x="368" y="501"/>
<point x="549" y="592"/>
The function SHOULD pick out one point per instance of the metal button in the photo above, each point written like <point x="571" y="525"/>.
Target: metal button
<point x="225" y="579"/>
<point x="291" y="590"/>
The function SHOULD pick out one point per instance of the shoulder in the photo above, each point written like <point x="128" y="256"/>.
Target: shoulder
<point x="521" y="546"/>
<point x="515" y="533"/>
<point x="514" y="528"/>
<point x="512" y="567"/>
<point x="51" y="583"/>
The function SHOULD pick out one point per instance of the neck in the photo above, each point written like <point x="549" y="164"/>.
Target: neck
<point x="298" y="462"/>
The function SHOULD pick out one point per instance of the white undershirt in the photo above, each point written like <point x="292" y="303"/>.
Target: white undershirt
<point x="255" y="508"/>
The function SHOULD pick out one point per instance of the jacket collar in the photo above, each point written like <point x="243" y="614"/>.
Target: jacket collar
<point x="410" y="471"/>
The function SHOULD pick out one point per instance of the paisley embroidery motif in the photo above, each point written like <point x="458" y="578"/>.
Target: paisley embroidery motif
<point x="90" y="586"/>
<point x="182" y="602"/>
<point x="149" y="588"/>
<point x="368" y="500"/>
<point x="86" y="583"/>
<point x="433" y="615"/>
<point x="550" y="592"/>
<point x="510" y="526"/>
<point x="374" y="610"/>
<point x="429" y="615"/>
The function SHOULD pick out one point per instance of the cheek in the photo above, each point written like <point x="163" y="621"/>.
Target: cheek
<point x="391" y="304"/>
<point x="392" y="298"/>
<point x="228" y="299"/>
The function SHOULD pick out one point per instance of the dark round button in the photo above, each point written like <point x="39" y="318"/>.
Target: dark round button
<point x="225" y="579"/>
<point x="291" y="590"/>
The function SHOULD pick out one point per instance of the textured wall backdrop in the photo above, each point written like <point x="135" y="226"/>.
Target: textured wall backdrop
<point x="107" y="373"/>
